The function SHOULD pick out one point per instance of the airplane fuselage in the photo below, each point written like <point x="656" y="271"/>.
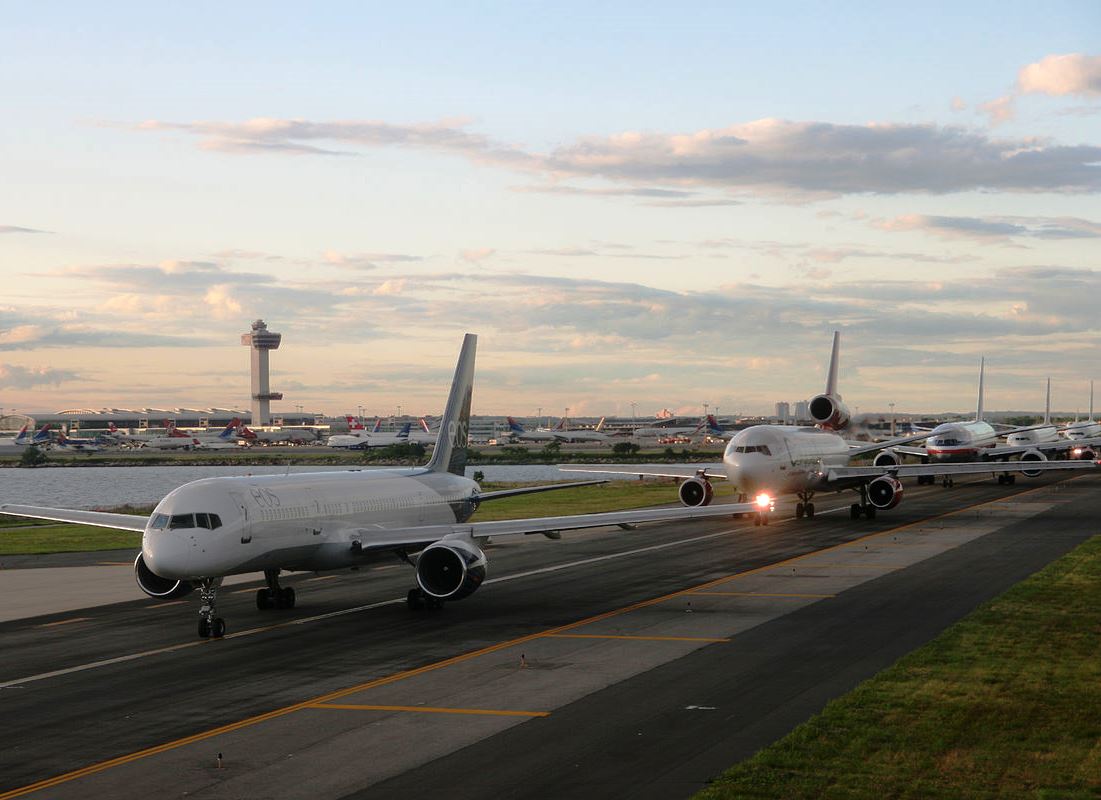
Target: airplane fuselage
<point x="782" y="459"/>
<point x="960" y="441"/>
<point x="226" y="526"/>
<point x="1044" y="435"/>
<point x="1086" y="429"/>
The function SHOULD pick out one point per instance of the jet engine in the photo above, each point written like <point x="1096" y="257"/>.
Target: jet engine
<point x="829" y="412"/>
<point x="695" y="492"/>
<point x="1032" y="455"/>
<point x="451" y="569"/>
<point x="887" y="458"/>
<point x="885" y="492"/>
<point x="154" y="585"/>
<point x="1081" y="453"/>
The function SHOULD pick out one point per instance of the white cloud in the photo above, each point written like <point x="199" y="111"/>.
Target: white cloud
<point x="18" y="229"/>
<point x="767" y="156"/>
<point x="1069" y="74"/>
<point x="477" y="255"/>
<point x="993" y="228"/>
<point x="999" y="110"/>
<point x="958" y="104"/>
<point x="13" y="376"/>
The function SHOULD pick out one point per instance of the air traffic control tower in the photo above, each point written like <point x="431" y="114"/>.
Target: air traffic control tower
<point x="261" y="340"/>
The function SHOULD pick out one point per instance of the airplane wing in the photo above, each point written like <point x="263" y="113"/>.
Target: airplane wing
<point x="967" y="468"/>
<point x="710" y="471"/>
<point x="389" y="539"/>
<point x="1063" y="444"/>
<point x="859" y="448"/>
<point x="481" y="498"/>
<point x="100" y="519"/>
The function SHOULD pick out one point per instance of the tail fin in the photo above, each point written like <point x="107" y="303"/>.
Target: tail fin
<point x="831" y="379"/>
<point x="1090" y="417"/>
<point x="1047" y="405"/>
<point x="113" y="428"/>
<point x="22" y="435"/>
<point x="449" y="455"/>
<point x="561" y="426"/>
<point x="377" y="427"/>
<point x="513" y="425"/>
<point x="424" y="425"/>
<point x="599" y="426"/>
<point x="404" y="432"/>
<point x="978" y="406"/>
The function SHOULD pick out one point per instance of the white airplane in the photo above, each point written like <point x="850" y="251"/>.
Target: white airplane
<point x="671" y="430"/>
<point x="423" y="434"/>
<point x="520" y="433"/>
<point x="214" y="527"/>
<point x="21" y="439"/>
<point x="772" y="460"/>
<point x="79" y="445"/>
<point x="595" y="434"/>
<point x="1087" y="428"/>
<point x="363" y="441"/>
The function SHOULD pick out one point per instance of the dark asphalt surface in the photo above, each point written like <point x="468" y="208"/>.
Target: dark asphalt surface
<point x="632" y="735"/>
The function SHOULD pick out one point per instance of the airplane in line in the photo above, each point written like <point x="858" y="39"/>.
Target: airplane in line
<point x="78" y="445"/>
<point x="1087" y="428"/>
<point x="208" y="529"/>
<point x="520" y="433"/>
<point x="774" y="460"/>
<point x="372" y="439"/>
<point x="567" y="434"/>
<point x="423" y="433"/>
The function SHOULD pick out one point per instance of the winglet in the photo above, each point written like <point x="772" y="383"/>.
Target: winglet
<point x="978" y="406"/>
<point x="831" y="379"/>
<point x="449" y="455"/>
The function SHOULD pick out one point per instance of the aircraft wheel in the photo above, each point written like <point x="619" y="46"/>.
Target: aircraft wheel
<point x="764" y="519"/>
<point x="415" y="600"/>
<point x="854" y="511"/>
<point x="263" y="599"/>
<point x="810" y="510"/>
<point x="218" y="628"/>
<point x="1011" y="479"/>
<point x="287" y="597"/>
<point x="204" y="628"/>
<point x="799" y="510"/>
<point x="757" y="520"/>
<point x="869" y="512"/>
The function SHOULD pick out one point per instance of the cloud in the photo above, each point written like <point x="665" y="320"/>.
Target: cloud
<point x="18" y="229"/>
<point x="994" y="228"/>
<point x="1069" y="74"/>
<point x="642" y="191"/>
<point x="958" y="104"/>
<point x="801" y="160"/>
<point x="477" y="255"/>
<point x="999" y="110"/>
<point x="366" y="261"/>
<point x="13" y="376"/>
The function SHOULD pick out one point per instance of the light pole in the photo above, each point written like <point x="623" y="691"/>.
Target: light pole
<point x="539" y="416"/>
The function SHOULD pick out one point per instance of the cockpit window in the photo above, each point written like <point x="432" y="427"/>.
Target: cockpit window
<point x="208" y="521"/>
<point x="182" y="521"/>
<point x="753" y="448"/>
<point x="159" y="522"/>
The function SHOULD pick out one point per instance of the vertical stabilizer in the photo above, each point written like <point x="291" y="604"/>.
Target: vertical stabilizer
<point x="449" y="454"/>
<point x="1047" y="405"/>
<point x="831" y="378"/>
<point x="599" y="426"/>
<point x="1090" y="417"/>
<point x="978" y="406"/>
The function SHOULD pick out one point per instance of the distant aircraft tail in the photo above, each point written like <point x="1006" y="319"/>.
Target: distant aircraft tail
<point x="713" y="424"/>
<point x="377" y="427"/>
<point x="514" y="426"/>
<point x="43" y="434"/>
<point x="599" y="426"/>
<point x="22" y="435"/>
<point x="112" y="427"/>
<point x="424" y="425"/>
<point x="230" y="430"/>
<point x="404" y="432"/>
<point x="978" y="406"/>
<point x="449" y="455"/>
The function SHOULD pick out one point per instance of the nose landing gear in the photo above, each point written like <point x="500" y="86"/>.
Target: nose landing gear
<point x="210" y="626"/>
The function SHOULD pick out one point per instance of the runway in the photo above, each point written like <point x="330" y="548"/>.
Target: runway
<point x="609" y="664"/>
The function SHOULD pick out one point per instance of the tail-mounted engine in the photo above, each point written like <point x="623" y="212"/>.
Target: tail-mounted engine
<point x="1032" y="455"/>
<point x="885" y="492"/>
<point x="829" y="412"/>
<point x="696" y="492"/>
<point x="887" y="458"/>
<point x="154" y="585"/>
<point x="451" y="569"/>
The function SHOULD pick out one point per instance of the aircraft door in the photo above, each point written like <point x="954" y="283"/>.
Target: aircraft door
<point x="246" y="522"/>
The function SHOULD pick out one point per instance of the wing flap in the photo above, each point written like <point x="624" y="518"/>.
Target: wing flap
<point x="969" y="468"/>
<point x="99" y="519"/>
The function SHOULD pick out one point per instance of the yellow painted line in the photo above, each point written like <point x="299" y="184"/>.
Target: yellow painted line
<point x="483" y="712"/>
<point x="247" y="591"/>
<point x="64" y="622"/>
<point x="632" y="638"/>
<point x="760" y="594"/>
<point x="115" y="563"/>
<point x="320" y="578"/>
<point x="169" y="603"/>
<point x="119" y="761"/>
<point x="850" y="566"/>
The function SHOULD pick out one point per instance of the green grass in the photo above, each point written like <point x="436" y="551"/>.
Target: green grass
<point x="21" y="536"/>
<point x="1006" y="704"/>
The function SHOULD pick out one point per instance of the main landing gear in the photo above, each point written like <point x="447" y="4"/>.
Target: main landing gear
<point x="209" y="624"/>
<point x="922" y="480"/>
<point x="805" y="506"/>
<point x="275" y="596"/>
<point x="947" y="482"/>
<point x="863" y="507"/>
<point x="417" y="600"/>
<point x="1006" y="478"/>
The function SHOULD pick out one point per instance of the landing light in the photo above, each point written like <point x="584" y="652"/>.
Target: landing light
<point x="763" y="501"/>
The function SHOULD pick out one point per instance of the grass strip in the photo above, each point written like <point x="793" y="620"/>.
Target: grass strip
<point x="1006" y="703"/>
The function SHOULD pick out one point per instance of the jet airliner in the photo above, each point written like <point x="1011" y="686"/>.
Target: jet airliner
<point x="210" y="528"/>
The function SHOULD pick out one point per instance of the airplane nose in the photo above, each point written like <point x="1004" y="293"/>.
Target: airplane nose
<point x="168" y="555"/>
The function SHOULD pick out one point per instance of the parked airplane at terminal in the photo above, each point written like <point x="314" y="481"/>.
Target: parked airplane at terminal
<point x="568" y="434"/>
<point x="21" y="439"/>
<point x="786" y="459"/>
<point x="363" y="441"/>
<point x="520" y="433"/>
<point x="214" y="527"/>
<point x="78" y="445"/>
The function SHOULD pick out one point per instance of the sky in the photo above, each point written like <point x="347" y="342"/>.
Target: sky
<point x="629" y="202"/>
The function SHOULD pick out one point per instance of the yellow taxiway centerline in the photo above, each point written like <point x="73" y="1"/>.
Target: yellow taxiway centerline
<point x="632" y="638"/>
<point x="760" y="594"/>
<point x="484" y="712"/>
<point x="63" y="622"/>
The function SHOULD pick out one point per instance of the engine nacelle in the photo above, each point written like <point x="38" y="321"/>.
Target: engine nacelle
<point x="695" y="492"/>
<point x="887" y="458"/>
<point x="1081" y="453"/>
<point x="1032" y="455"/>
<point x="829" y="412"/>
<point x="451" y="569"/>
<point x="885" y="492"/>
<point x="154" y="585"/>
